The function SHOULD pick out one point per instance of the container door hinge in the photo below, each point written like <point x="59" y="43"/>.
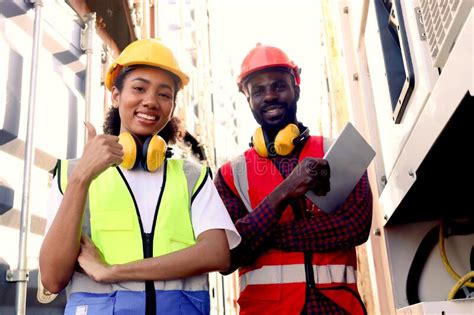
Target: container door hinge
<point x="420" y="24"/>
<point x="17" y="275"/>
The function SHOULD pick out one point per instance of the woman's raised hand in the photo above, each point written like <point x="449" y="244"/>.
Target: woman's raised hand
<point x="100" y="152"/>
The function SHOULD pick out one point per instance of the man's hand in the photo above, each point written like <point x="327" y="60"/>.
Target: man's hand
<point x="92" y="263"/>
<point x="100" y="152"/>
<point x="312" y="174"/>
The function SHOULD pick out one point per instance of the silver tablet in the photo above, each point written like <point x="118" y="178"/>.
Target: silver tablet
<point x="348" y="157"/>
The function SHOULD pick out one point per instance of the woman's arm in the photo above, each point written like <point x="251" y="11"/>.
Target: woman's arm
<point x="210" y="253"/>
<point x="61" y="244"/>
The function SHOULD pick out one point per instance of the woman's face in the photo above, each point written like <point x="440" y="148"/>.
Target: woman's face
<point x="146" y="101"/>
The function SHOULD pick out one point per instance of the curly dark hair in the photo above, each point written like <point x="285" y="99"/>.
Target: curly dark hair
<point x="171" y="133"/>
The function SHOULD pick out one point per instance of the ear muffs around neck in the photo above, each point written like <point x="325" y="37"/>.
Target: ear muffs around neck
<point x="283" y="144"/>
<point x="150" y="155"/>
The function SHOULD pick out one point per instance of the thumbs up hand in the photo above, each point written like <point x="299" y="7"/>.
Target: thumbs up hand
<point x="100" y="152"/>
<point x="91" y="133"/>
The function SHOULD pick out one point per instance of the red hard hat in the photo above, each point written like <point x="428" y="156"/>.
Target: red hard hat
<point x="262" y="57"/>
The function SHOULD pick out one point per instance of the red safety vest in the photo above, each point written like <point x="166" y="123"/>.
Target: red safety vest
<point x="276" y="282"/>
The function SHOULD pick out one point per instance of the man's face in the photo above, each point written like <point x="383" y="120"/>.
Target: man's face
<point x="272" y="97"/>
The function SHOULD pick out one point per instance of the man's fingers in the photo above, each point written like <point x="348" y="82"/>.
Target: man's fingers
<point x="318" y="168"/>
<point x="91" y="133"/>
<point x="321" y="187"/>
<point x="325" y="172"/>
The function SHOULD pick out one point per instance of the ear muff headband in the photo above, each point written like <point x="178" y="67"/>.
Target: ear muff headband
<point x="301" y="137"/>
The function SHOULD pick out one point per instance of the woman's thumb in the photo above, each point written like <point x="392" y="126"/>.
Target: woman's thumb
<point x="91" y="133"/>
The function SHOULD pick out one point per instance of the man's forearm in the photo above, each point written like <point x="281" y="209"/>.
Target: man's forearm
<point x="346" y="228"/>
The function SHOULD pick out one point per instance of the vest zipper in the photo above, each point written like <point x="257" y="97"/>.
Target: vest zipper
<point x="298" y="206"/>
<point x="148" y="249"/>
<point x="150" y="306"/>
<point x="147" y="243"/>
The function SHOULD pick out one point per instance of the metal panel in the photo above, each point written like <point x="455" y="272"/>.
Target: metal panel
<point x="442" y="21"/>
<point x="394" y="136"/>
<point x="461" y="307"/>
<point x="452" y="85"/>
<point x="10" y="124"/>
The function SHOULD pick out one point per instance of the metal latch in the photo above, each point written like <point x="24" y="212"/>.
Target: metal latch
<point x="17" y="275"/>
<point x="420" y="24"/>
<point x="87" y="36"/>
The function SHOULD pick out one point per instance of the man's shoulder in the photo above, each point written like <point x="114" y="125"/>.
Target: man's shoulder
<point x="235" y="163"/>
<point x="233" y="160"/>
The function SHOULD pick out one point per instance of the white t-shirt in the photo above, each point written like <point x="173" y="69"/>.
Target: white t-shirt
<point x="207" y="209"/>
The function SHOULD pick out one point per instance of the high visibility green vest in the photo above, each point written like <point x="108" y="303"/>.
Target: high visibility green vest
<point x="112" y="216"/>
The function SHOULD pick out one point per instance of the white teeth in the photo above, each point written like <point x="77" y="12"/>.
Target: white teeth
<point x="273" y="111"/>
<point x="145" y="116"/>
<point x="272" y="108"/>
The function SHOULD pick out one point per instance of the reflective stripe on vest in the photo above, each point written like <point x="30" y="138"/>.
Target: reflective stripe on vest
<point x="82" y="283"/>
<point x="239" y="172"/>
<point x="323" y="274"/>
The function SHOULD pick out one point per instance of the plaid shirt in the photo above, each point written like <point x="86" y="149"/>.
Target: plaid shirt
<point x="317" y="232"/>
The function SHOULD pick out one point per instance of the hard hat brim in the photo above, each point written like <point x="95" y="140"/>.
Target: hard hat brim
<point x="115" y="69"/>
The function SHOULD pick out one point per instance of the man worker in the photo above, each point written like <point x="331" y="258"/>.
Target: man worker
<point x="293" y="258"/>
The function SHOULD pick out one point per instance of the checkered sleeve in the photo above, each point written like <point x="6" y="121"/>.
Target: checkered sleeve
<point x="347" y="227"/>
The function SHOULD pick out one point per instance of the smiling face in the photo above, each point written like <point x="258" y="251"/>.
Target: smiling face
<point x="146" y="101"/>
<point x="272" y="97"/>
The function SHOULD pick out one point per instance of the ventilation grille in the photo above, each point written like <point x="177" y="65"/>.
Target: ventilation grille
<point x="442" y="20"/>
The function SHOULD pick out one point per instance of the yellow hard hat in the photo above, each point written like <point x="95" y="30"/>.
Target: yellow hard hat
<point x="150" y="52"/>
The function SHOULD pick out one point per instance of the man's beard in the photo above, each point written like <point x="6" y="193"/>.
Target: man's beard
<point x="272" y="129"/>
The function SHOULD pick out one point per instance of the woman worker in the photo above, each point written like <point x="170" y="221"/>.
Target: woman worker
<point x="147" y="232"/>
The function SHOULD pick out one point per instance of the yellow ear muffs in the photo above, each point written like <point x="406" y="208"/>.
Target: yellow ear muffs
<point x="153" y="153"/>
<point x="283" y="144"/>
<point x="284" y="139"/>
<point x="259" y="143"/>
<point x="150" y="156"/>
<point x="129" y="145"/>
